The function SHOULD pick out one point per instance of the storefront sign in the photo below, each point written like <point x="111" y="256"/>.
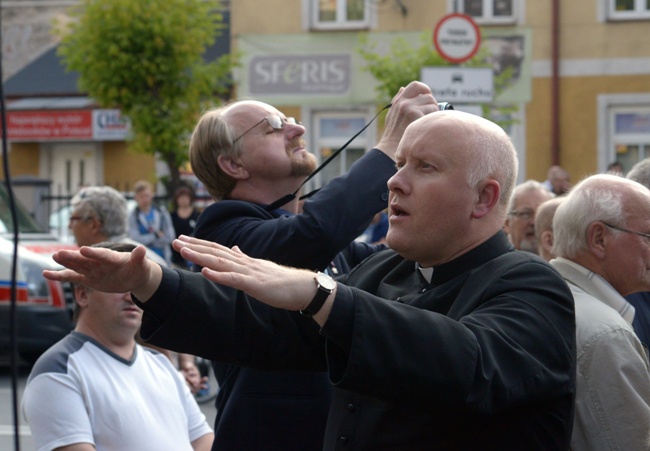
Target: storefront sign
<point x="58" y="125"/>
<point x="460" y="84"/>
<point x="109" y="125"/>
<point x="299" y="74"/>
<point x="48" y="125"/>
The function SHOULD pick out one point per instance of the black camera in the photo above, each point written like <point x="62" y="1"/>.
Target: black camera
<point x="445" y="106"/>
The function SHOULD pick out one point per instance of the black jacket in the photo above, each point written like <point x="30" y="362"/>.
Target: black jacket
<point x="483" y="357"/>
<point x="272" y="403"/>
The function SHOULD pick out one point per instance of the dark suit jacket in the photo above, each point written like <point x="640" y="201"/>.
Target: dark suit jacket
<point x="270" y="410"/>
<point x="482" y="357"/>
<point x="641" y="323"/>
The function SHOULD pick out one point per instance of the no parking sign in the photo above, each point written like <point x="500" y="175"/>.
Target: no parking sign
<point x="456" y="37"/>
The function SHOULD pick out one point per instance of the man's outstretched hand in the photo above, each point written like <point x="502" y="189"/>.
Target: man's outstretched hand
<point x="278" y="286"/>
<point x="108" y="271"/>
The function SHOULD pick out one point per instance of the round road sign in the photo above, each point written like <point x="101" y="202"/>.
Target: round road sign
<point x="456" y="37"/>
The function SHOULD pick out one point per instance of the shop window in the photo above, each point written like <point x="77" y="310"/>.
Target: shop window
<point x="628" y="9"/>
<point x="340" y="14"/>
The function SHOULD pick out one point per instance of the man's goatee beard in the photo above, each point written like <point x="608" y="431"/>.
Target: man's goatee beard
<point x="303" y="167"/>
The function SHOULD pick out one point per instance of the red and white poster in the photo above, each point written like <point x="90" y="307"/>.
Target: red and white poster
<point x="56" y="125"/>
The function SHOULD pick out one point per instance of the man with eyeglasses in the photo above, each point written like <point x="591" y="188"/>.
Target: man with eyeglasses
<point x="520" y="222"/>
<point x="248" y="154"/>
<point x="601" y="237"/>
<point x="640" y="172"/>
<point x="99" y="213"/>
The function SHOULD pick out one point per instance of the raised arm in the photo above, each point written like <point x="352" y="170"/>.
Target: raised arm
<point x="278" y="286"/>
<point x="109" y="271"/>
<point x="408" y="105"/>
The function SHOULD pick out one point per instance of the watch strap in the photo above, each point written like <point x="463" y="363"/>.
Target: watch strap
<point x="318" y="300"/>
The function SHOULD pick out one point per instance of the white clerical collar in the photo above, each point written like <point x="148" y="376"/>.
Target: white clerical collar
<point x="427" y="273"/>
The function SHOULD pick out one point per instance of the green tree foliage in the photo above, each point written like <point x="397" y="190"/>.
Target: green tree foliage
<point x="145" y="58"/>
<point x="404" y="61"/>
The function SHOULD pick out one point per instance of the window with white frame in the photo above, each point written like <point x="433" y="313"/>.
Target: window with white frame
<point x="628" y="9"/>
<point x="332" y="130"/>
<point x="488" y="11"/>
<point x="340" y="14"/>
<point x="631" y="135"/>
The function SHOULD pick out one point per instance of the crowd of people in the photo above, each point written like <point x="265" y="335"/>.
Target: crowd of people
<point x="489" y="315"/>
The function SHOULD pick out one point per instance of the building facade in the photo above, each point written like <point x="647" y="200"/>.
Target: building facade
<point x="582" y="72"/>
<point x="580" y="86"/>
<point x="55" y="132"/>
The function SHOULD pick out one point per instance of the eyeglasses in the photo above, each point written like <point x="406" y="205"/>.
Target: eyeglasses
<point x="275" y="121"/>
<point x="523" y="214"/>
<point x="621" y="229"/>
<point x="79" y="218"/>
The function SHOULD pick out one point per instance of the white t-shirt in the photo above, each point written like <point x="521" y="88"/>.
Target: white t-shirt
<point x="80" y="392"/>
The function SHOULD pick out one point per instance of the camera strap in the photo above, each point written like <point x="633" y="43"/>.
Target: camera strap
<point x="289" y="197"/>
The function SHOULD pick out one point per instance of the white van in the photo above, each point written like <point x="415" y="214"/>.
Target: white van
<point x="43" y="308"/>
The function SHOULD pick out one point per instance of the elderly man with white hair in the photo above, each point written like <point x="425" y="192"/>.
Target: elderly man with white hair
<point x="602" y="241"/>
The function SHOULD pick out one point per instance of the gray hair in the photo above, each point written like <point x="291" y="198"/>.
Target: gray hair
<point x="494" y="156"/>
<point x="106" y="204"/>
<point x="528" y="185"/>
<point x="586" y="203"/>
<point x="640" y="173"/>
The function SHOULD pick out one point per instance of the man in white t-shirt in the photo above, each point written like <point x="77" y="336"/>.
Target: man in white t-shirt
<point x="99" y="214"/>
<point x="98" y="389"/>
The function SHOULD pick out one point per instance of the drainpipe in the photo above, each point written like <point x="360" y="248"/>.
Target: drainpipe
<point x="555" y="83"/>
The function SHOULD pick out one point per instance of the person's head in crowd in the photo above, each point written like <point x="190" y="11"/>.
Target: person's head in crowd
<point x="520" y="221"/>
<point x="249" y="150"/>
<point x="544" y="227"/>
<point x="143" y="195"/>
<point x="559" y="180"/>
<point x="183" y="197"/>
<point x="615" y="168"/>
<point x="99" y="213"/>
<point x="640" y="172"/>
<point x="105" y="312"/>
<point x="455" y="175"/>
<point x="604" y="225"/>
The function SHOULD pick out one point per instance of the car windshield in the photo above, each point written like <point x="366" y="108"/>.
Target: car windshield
<point x="26" y="223"/>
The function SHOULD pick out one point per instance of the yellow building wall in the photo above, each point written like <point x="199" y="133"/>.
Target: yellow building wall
<point x="420" y="16"/>
<point x="578" y="122"/>
<point x="123" y="167"/>
<point x="539" y="20"/>
<point x="538" y="130"/>
<point x="587" y="38"/>
<point x="23" y="159"/>
<point x="586" y="43"/>
<point x="582" y="35"/>
<point x="286" y="17"/>
<point x="269" y="17"/>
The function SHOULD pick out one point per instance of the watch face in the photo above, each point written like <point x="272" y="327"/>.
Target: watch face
<point x="325" y="281"/>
